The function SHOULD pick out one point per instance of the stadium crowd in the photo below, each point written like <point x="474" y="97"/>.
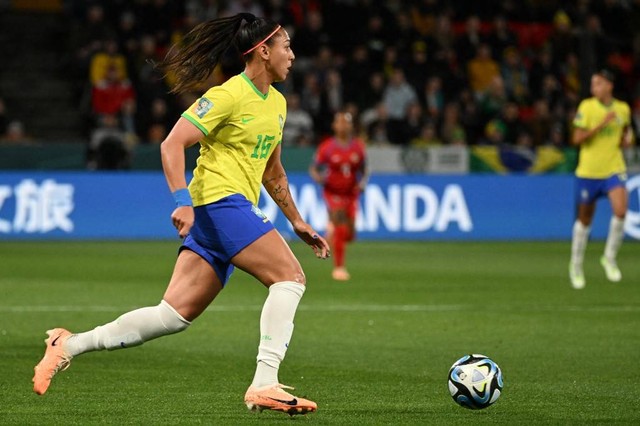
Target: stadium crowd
<point x="414" y="73"/>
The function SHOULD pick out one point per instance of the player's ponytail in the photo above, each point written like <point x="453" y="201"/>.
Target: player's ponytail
<point x="192" y="61"/>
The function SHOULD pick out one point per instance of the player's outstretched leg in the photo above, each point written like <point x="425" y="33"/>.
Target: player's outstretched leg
<point x="55" y="359"/>
<point x="274" y="397"/>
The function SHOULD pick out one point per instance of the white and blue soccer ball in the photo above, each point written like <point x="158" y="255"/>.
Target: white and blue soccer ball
<point x="475" y="381"/>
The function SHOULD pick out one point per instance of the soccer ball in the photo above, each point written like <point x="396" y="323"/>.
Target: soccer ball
<point x="475" y="381"/>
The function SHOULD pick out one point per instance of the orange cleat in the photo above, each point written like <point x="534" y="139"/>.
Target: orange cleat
<point x="55" y="359"/>
<point x="274" y="397"/>
<point x="340" y="274"/>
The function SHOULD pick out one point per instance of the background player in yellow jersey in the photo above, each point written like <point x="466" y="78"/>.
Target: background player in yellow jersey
<point x="601" y="129"/>
<point x="239" y="127"/>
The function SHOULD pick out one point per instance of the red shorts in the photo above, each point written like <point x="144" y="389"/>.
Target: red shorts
<point x="348" y="203"/>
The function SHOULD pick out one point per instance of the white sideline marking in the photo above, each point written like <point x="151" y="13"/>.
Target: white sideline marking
<point x="338" y="308"/>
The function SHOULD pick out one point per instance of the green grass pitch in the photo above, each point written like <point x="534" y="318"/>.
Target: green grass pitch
<point x="375" y="350"/>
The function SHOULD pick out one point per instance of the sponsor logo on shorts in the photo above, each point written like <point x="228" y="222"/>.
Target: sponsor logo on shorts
<point x="259" y="213"/>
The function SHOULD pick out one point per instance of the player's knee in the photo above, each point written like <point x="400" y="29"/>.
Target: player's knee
<point x="173" y="322"/>
<point x="299" y="277"/>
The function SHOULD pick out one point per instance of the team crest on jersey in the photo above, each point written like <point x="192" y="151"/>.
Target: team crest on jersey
<point x="259" y="213"/>
<point x="202" y="107"/>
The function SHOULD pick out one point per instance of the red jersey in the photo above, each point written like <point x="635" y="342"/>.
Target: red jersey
<point x="344" y="165"/>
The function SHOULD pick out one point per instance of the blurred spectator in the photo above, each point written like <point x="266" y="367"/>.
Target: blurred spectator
<point x="378" y="36"/>
<point x="445" y="65"/>
<point x="417" y="68"/>
<point x="551" y="91"/>
<point x="107" y="146"/>
<point x="238" y="6"/>
<point x="427" y="136"/>
<point x="373" y="93"/>
<point x="424" y="14"/>
<point x="157" y="116"/>
<point x="414" y="122"/>
<point x="515" y="76"/>
<point x="406" y="34"/>
<point x="482" y="70"/>
<point x="358" y="69"/>
<point x="494" y="99"/>
<point x="451" y="130"/>
<point x="541" y="67"/>
<point x="443" y="38"/>
<point x="592" y="49"/>
<point x="15" y="133"/>
<point x="334" y="92"/>
<point x="398" y="95"/>
<point x="128" y="115"/>
<point x="493" y="133"/>
<point x="390" y="61"/>
<point x="4" y="121"/>
<point x="308" y="39"/>
<point x="433" y="98"/>
<point x="128" y="35"/>
<point x="468" y="43"/>
<point x="156" y="18"/>
<point x="374" y="122"/>
<point x="570" y="75"/>
<point x="540" y="123"/>
<point x="561" y="40"/>
<point x="471" y="119"/>
<point x="501" y="37"/>
<point x="513" y="127"/>
<point x="109" y="94"/>
<point x="311" y="99"/>
<point x="298" y="129"/>
<point x="88" y="35"/>
<point x="107" y="58"/>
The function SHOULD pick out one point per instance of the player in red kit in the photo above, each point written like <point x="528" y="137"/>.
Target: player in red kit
<point x="340" y="167"/>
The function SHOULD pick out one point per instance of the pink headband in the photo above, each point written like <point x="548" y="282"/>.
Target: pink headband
<point x="263" y="41"/>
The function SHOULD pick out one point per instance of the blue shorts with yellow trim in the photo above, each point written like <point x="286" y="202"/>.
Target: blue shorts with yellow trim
<point x="222" y="229"/>
<point x="589" y="190"/>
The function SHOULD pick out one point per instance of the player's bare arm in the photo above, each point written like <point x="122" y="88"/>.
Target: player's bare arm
<point x="582" y="135"/>
<point x="316" y="174"/>
<point x="276" y="183"/>
<point x="183" y="135"/>
<point x="627" y="140"/>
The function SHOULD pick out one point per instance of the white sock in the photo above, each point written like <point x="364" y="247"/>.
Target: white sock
<point x="131" y="329"/>
<point x="276" y="328"/>
<point x="579" y="242"/>
<point x="614" y="238"/>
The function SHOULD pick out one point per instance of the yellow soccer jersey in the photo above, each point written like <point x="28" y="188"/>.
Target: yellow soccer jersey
<point x="241" y="127"/>
<point x="600" y="155"/>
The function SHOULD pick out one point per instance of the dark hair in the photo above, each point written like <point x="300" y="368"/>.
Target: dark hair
<point x="606" y="74"/>
<point x="194" y="59"/>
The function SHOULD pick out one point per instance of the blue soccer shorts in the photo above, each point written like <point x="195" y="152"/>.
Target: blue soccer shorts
<point x="222" y="229"/>
<point x="589" y="190"/>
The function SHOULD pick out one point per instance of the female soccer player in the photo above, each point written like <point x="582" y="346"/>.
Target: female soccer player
<point x="239" y="128"/>
<point x="601" y="129"/>
<point x="340" y="167"/>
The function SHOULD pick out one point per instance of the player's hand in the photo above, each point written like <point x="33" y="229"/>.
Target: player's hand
<point x="183" y="218"/>
<point x="308" y="235"/>
<point x="611" y="115"/>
